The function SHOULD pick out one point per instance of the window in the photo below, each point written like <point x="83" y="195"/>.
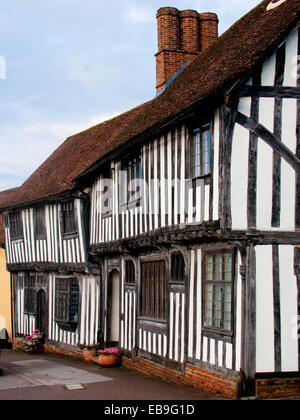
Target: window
<point x="30" y="294"/>
<point x="217" y="291"/>
<point x="200" y="151"/>
<point x="130" y="272"/>
<point x="153" y="297"/>
<point x="39" y="223"/>
<point x="177" y="268"/>
<point x="16" y="226"/>
<point x="133" y="168"/>
<point x="67" y="303"/>
<point x="68" y="218"/>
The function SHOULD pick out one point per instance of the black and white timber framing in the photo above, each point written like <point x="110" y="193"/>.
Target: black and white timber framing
<point x="247" y="206"/>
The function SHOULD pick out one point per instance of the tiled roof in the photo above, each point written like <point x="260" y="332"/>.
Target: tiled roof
<point x="214" y="70"/>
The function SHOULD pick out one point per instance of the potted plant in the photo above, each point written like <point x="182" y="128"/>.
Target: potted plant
<point x="109" y="357"/>
<point x="89" y="351"/>
<point x="31" y="344"/>
<point x="37" y="335"/>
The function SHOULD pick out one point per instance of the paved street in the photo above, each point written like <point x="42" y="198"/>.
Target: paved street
<point x="52" y="377"/>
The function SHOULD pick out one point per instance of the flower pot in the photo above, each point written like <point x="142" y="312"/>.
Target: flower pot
<point x="31" y="343"/>
<point x="37" y="336"/>
<point x="88" y="354"/>
<point x="109" y="360"/>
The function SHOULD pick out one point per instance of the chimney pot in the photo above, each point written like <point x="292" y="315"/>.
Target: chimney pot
<point x="168" y="28"/>
<point x="189" y="31"/>
<point x="208" y="29"/>
<point x="182" y="35"/>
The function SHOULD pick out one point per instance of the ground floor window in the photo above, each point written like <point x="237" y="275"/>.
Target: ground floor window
<point x="67" y="303"/>
<point x="30" y="294"/>
<point x="129" y="272"/>
<point x="153" y="292"/>
<point x="217" y="290"/>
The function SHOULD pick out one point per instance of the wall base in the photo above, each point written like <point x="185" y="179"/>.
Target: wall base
<point x="74" y="353"/>
<point x="278" y="388"/>
<point x="194" y="376"/>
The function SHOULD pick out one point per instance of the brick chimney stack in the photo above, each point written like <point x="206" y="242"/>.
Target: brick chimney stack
<point x="182" y="35"/>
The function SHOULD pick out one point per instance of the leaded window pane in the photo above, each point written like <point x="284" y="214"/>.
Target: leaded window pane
<point x="154" y="288"/>
<point x="200" y="153"/>
<point x="67" y="300"/>
<point x="217" y="297"/>
<point x="16" y="226"/>
<point x="68" y="218"/>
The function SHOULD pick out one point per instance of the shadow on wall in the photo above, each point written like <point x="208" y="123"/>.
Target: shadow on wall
<point x="2" y="322"/>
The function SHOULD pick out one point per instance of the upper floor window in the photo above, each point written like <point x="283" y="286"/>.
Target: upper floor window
<point x="177" y="268"/>
<point x="218" y="271"/>
<point x="39" y="223"/>
<point x="133" y="168"/>
<point x="68" y="218"/>
<point x="200" y="151"/>
<point x="30" y="294"/>
<point x="16" y="226"/>
<point x="129" y="272"/>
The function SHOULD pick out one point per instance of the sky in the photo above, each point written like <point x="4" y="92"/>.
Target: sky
<point x="66" y="65"/>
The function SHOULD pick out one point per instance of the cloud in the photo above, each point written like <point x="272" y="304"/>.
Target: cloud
<point x="31" y="143"/>
<point x="137" y="14"/>
<point x="64" y="130"/>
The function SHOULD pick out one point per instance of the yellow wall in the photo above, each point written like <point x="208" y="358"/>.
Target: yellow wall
<point x="5" y="302"/>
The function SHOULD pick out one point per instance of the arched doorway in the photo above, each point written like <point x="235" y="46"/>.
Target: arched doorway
<point x="41" y="311"/>
<point x="113" y="309"/>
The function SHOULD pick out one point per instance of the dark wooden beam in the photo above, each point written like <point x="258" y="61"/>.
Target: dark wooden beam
<point x="48" y="267"/>
<point x="271" y="92"/>
<point x="263" y="133"/>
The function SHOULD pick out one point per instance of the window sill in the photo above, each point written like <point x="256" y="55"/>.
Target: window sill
<point x="40" y="238"/>
<point x="154" y="325"/>
<point x="70" y="326"/>
<point x="204" y="176"/>
<point x="218" y="334"/>
<point x="71" y="235"/>
<point x="17" y="240"/>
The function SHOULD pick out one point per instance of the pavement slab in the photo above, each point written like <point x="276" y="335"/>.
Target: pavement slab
<point x="56" y="377"/>
<point x="46" y="372"/>
<point x="10" y="380"/>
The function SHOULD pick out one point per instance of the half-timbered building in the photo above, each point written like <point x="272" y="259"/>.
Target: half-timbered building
<point x="172" y="230"/>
